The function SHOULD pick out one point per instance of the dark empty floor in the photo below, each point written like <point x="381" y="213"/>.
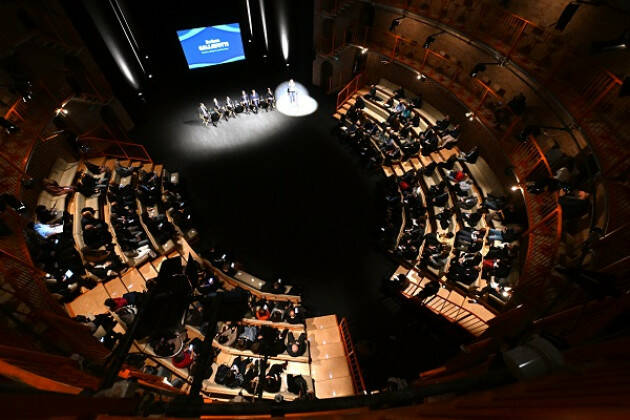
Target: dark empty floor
<point x="287" y="200"/>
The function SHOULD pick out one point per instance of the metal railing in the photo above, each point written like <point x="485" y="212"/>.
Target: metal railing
<point x="98" y="146"/>
<point x="350" y="89"/>
<point x="457" y="314"/>
<point x="351" y="355"/>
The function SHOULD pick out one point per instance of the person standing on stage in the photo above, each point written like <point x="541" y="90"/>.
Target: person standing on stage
<point x="245" y="100"/>
<point x="203" y="113"/>
<point x="292" y="91"/>
<point x="271" y="100"/>
<point x="229" y="108"/>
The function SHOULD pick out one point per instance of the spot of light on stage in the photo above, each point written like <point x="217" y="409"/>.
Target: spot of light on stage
<point x="197" y="142"/>
<point x="304" y="104"/>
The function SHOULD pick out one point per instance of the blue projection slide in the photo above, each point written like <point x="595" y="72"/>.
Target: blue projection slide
<point x="212" y="45"/>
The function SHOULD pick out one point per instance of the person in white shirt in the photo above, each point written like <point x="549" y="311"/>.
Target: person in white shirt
<point x="245" y="101"/>
<point x="292" y="92"/>
<point x="203" y="113"/>
<point x="229" y="108"/>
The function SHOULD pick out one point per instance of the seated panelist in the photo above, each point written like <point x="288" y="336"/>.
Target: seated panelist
<point x="254" y="101"/>
<point x="203" y="113"/>
<point x="271" y="100"/>
<point x="229" y="108"/>
<point x="245" y="101"/>
<point x="217" y="111"/>
<point x="255" y="97"/>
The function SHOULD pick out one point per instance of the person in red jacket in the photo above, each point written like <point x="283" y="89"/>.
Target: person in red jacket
<point x="183" y="359"/>
<point x="115" y="304"/>
<point x="263" y="313"/>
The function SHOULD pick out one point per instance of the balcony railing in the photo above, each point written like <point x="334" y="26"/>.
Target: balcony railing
<point x="98" y="146"/>
<point x="350" y="89"/>
<point x="353" y="361"/>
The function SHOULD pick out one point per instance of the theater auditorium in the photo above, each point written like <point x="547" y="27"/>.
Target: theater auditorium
<point x="314" y="209"/>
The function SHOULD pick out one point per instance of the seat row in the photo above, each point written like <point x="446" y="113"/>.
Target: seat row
<point x="129" y="201"/>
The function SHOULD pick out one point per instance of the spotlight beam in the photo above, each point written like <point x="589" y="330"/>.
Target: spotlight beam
<point x="249" y="19"/>
<point x="284" y="34"/>
<point x="264" y="22"/>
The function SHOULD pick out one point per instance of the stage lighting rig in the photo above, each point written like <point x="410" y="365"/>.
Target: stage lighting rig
<point x="619" y="43"/>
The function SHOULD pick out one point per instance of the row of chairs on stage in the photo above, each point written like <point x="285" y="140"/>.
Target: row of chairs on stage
<point x="247" y="104"/>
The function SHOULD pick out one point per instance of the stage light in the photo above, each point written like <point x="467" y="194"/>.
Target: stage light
<point x="479" y="68"/>
<point x="431" y="39"/>
<point x="61" y="111"/>
<point x="394" y="24"/>
<point x="146" y="57"/>
<point x="150" y="76"/>
<point x="619" y="43"/>
<point x="364" y="50"/>
<point x="287" y="64"/>
<point x="470" y="116"/>
<point x="421" y="76"/>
